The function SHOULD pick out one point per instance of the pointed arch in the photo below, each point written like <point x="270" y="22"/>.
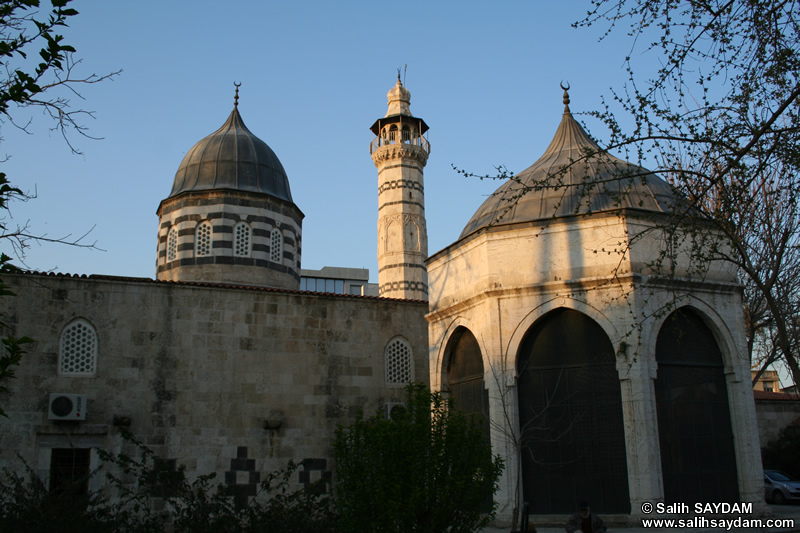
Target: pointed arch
<point x="172" y="244"/>
<point x="276" y="246"/>
<point x="398" y="362"/>
<point x="570" y="416"/>
<point x="464" y="374"/>
<point x="202" y="239"/>
<point x="242" y="240"/>
<point x="77" y="353"/>
<point x="698" y="457"/>
<point x="411" y="233"/>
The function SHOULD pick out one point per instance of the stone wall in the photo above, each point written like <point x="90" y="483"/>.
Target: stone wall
<point x="197" y="369"/>
<point x="775" y="411"/>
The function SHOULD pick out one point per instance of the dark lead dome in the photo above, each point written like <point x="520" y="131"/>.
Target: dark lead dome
<point x="232" y="158"/>
<point x="580" y="179"/>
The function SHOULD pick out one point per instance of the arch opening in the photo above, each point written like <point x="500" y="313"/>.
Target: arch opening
<point x="570" y="417"/>
<point x="698" y="459"/>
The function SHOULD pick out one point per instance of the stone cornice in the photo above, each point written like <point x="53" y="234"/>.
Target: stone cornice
<point x="399" y="151"/>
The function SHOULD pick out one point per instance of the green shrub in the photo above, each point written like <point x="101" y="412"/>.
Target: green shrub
<point x="783" y="453"/>
<point x="427" y="469"/>
<point x="146" y="496"/>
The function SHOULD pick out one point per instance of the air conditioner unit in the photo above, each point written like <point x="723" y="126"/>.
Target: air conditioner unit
<point x="67" y="407"/>
<point x="393" y="409"/>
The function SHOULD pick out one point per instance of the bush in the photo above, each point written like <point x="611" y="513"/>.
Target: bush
<point x="427" y="469"/>
<point x="783" y="453"/>
<point x="26" y="504"/>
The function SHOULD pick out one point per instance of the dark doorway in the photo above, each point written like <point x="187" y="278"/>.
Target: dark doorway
<point x="465" y="377"/>
<point x="570" y="415"/>
<point x="698" y="460"/>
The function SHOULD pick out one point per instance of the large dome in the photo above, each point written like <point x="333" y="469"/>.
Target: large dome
<point x="235" y="159"/>
<point x="572" y="177"/>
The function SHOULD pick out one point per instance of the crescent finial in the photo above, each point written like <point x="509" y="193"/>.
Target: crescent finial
<point x="236" y="96"/>
<point x="566" y="97"/>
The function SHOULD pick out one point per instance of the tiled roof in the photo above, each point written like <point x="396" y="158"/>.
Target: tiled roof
<point x="779" y="396"/>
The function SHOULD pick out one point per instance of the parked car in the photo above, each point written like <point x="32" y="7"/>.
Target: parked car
<point x="780" y="488"/>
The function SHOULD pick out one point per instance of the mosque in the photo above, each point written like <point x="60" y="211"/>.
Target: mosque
<point x="598" y="377"/>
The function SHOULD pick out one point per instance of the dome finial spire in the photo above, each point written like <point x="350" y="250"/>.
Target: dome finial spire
<point x="236" y="96"/>
<point x="566" y="97"/>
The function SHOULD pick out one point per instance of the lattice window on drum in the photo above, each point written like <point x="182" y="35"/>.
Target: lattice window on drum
<point x="77" y="354"/>
<point x="202" y="240"/>
<point x="241" y="240"/>
<point x="172" y="244"/>
<point x="276" y="246"/>
<point x="399" y="365"/>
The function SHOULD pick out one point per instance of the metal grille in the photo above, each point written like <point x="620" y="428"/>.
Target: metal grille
<point x="78" y="353"/>
<point x="172" y="244"/>
<point x="571" y="424"/>
<point x="465" y="377"/>
<point x="398" y="362"/>
<point x="241" y="240"/>
<point x="202" y="246"/>
<point x="69" y="471"/>
<point x="276" y="246"/>
<point x="698" y="460"/>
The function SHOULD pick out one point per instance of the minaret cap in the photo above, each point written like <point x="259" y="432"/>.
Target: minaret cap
<point x="399" y="100"/>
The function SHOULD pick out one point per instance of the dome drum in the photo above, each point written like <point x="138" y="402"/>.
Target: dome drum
<point x="230" y="217"/>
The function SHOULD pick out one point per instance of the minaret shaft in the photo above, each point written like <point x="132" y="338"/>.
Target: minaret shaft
<point x="400" y="153"/>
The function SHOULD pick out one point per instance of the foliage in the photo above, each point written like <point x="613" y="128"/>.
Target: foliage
<point x="26" y="505"/>
<point x="783" y="453"/>
<point x="720" y="119"/>
<point x="201" y="506"/>
<point x="145" y="496"/>
<point x="12" y="346"/>
<point x="428" y="468"/>
<point x="47" y="85"/>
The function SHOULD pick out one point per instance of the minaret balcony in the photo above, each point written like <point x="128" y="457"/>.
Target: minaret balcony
<point x="399" y="137"/>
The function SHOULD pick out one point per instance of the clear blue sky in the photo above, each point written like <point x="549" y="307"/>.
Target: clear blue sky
<point x="484" y="75"/>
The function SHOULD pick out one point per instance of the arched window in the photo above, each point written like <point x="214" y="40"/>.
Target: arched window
<point x="399" y="363"/>
<point x="77" y="354"/>
<point x="276" y="246"/>
<point x="202" y="239"/>
<point x="465" y="376"/>
<point x="172" y="244"/>
<point x="406" y="135"/>
<point x="570" y="417"/>
<point x="698" y="459"/>
<point x="241" y="240"/>
<point x="392" y="134"/>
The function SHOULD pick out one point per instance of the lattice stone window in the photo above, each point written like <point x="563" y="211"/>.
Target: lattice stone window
<point x="276" y="246"/>
<point x="399" y="365"/>
<point x="77" y="354"/>
<point x="172" y="244"/>
<point x="202" y="240"/>
<point x="241" y="240"/>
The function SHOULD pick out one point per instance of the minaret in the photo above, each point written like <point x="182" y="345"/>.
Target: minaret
<point x="400" y="152"/>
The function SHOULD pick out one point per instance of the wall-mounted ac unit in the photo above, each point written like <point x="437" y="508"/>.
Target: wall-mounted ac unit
<point x="67" y="407"/>
<point x="393" y="409"/>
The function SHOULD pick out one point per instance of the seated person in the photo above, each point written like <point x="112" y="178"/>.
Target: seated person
<point x="585" y="521"/>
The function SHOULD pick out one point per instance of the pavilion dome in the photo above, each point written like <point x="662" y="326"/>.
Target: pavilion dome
<point x="573" y="177"/>
<point x="232" y="158"/>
